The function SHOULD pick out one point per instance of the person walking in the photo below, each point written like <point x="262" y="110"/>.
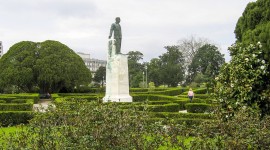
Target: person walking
<point x="190" y="95"/>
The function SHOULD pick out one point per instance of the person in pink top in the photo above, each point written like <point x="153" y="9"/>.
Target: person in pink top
<point x="190" y="94"/>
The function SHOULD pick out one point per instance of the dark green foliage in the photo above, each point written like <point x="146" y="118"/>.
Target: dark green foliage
<point x="244" y="81"/>
<point x="100" y="75"/>
<point x="16" y="107"/>
<point x="246" y="130"/>
<point x="135" y="68"/>
<point x="198" y="107"/>
<point x="154" y="71"/>
<point x="182" y="103"/>
<point x="158" y="102"/>
<point x="138" y="90"/>
<point x="207" y="62"/>
<point x="172" y="69"/>
<point x="254" y="26"/>
<point x="33" y="98"/>
<point x="9" y="118"/>
<point x="170" y="91"/>
<point x="171" y="107"/>
<point x="18" y="101"/>
<point x="7" y="99"/>
<point x="200" y="91"/>
<point x="49" y="65"/>
<point x="86" y="89"/>
<point x="2" y="101"/>
<point x="144" y="97"/>
<point x="92" y="126"/>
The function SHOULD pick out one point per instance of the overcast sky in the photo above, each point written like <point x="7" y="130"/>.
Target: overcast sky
<point x="147" y="25"/>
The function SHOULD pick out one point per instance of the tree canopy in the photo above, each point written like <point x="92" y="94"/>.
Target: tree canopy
<point x="100" y="75"/>
<point x="49" y="65"/>
<point x="207" y="61"/>
<point x="244" y="80"/>
<point x="254" y="25"/>
<point x="172" y="69"/>
<point x="135" y="68"/>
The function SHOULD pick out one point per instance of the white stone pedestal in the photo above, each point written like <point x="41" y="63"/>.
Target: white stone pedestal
<point x="117" y="83"/>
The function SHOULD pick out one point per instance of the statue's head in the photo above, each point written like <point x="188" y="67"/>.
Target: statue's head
<point x="117" y="19"/>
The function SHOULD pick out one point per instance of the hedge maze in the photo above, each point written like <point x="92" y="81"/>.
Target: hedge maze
<point x="162" y="104"/>
<point x="16" y="108"/>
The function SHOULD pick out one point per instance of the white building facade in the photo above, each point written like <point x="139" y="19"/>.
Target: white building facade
<point x="91" y="63"/>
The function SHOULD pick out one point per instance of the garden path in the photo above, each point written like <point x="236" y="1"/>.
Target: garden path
<point x="42" y="106"/>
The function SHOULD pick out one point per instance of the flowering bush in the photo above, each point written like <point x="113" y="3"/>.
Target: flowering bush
<point x="244" y="81"/>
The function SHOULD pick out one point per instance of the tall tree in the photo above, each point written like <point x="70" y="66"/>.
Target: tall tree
<point x="244" y="80"/>
<point x="207" y="61"/>
<point x="254" y="26"/>
<point x="135" y="68"/>
<point x="172" y="70"/>
<point x="50" y="65"/>
<point x="154" y="71"/>
<point x="100" y="75"/>
<point x="189" y="46"/>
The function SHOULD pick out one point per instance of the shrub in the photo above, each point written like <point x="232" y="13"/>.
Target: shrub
<point x="158" y="102"/>
<point x="18" y="101"/>
<point x="246" y="130"/>
<point x="151" y="97"/>
<point x="16" y="107"/>
<point x="8" y="118"/>
<point x="91" y="126"/>
<point x="177" y="115"/>
<point x="182" y="104"/>
<point x="7" y="99"/>
<point x="198" y="107"/>
<point x="2" y="101"/>
<point x="171" y="107"/>
<point x="200" y="91"/>
<point x="137" y="90"/>
<point x="170" y="92"/>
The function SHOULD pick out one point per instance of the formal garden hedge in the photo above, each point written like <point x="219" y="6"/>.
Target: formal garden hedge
<point x="9" y="118"/>
<point x="198" y="107"/>
<point x="16" y="108"/>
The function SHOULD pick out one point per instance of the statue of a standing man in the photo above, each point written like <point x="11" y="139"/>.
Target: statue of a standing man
<point x="117" y="34"/>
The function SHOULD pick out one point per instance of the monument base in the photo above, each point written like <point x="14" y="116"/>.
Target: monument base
<point x="117" y="98"/>
<point x="117" y="82"/>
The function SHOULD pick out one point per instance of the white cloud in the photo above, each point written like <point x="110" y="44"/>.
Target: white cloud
<point x="147" y="26"/>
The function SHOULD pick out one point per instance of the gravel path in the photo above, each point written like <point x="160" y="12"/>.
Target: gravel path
<point x="42" y="106"/>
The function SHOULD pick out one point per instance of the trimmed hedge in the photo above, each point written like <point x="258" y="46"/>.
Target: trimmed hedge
<point x="171" y="107"/>
<point x="200" y="91"/>
<point x="89" y="90"/>
<point x="182" y="104"/>
<point x="151" y="97"/>
<point x="7" y="98"/>
<point x="198" y="107"/>
<point x="2" y="101"/>
<point x="16" y="107"/>
<point x="18" y="101"/>
<point x="158" y="102"/>
<point x="8" y="118"/>
<point x="137" y="90"/>
<point x="170" y="92"/>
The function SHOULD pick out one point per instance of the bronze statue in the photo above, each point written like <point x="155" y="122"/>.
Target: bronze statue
<point x="117" y="34"/>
